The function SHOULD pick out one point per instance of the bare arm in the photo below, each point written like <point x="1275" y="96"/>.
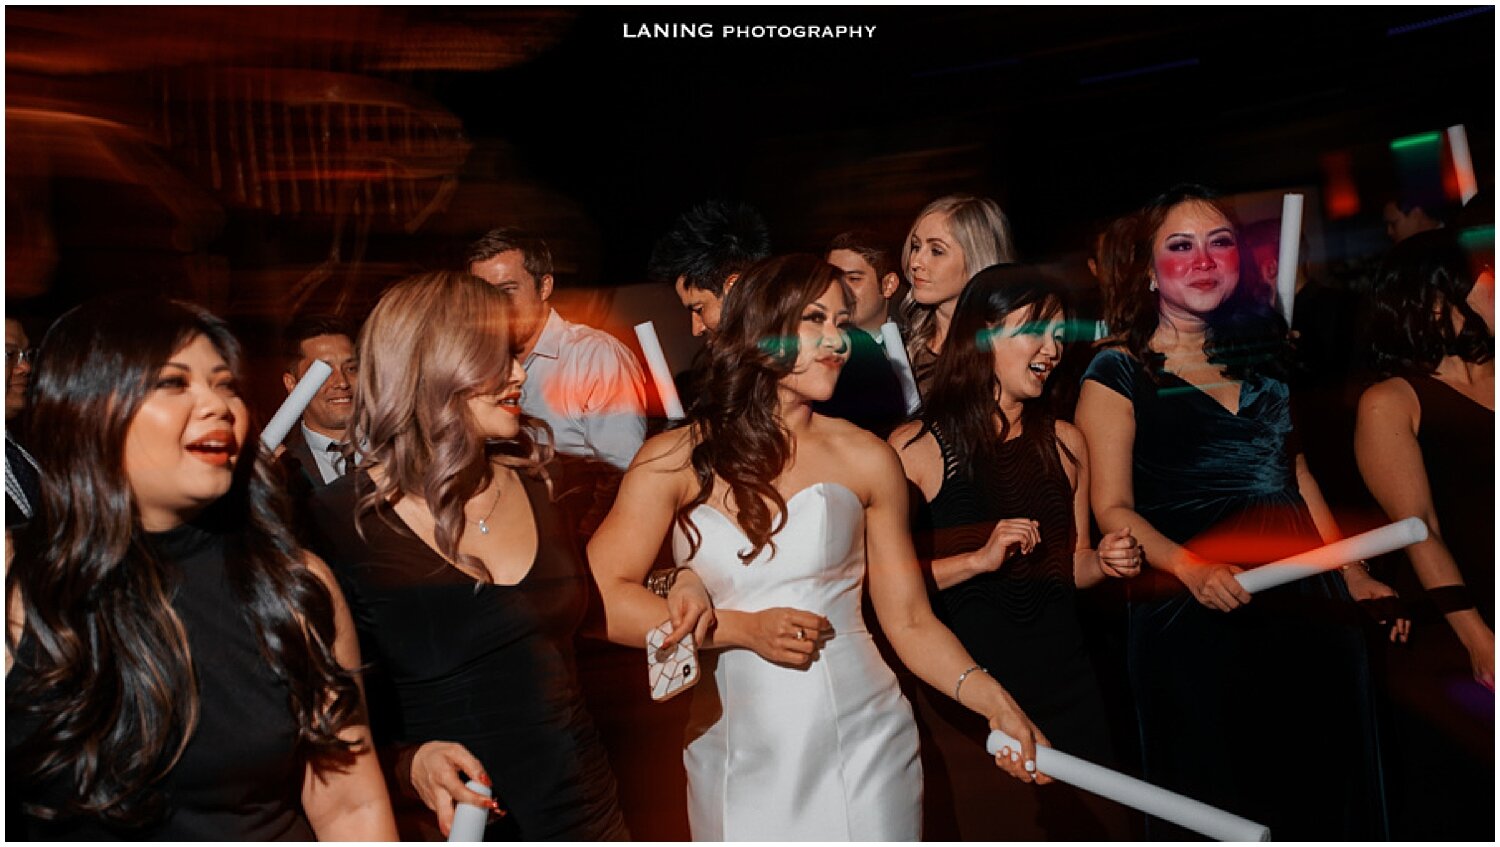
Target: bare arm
<point x="1107" y="420"/>
<point x="922" y="462"/>
<point x="1118" y="554"/>
<point x="624" y="547"/>
<point x="1390" y="460"/>
<point x="925" y="646"/>
<point x="347" y="802"/>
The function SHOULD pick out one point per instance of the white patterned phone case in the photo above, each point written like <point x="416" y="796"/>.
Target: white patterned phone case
<point x="673" y="669"/>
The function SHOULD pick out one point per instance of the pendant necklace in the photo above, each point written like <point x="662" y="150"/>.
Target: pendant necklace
<point x="484" y="528"/>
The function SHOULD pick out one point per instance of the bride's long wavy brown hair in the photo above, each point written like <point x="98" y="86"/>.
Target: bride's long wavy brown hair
<point x="737" y="429"/>
<point x="433" y="342"/>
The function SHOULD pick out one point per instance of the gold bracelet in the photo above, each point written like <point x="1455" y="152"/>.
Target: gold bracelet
<point x="659" y="582"/>
<point x="963" y="676"/>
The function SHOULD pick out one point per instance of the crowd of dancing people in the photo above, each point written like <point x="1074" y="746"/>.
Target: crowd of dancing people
<point x="343" y="637"/>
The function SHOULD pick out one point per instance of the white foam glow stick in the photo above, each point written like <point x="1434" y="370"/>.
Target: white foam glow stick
<point x="1366" y="545"/>
<point x="295" y="404"/>
<point x="1286" y="259"/>
<point x="661" y="374"/>
<point x="1137" y="794"/>
<point x="1458" y="142"/>
<point x="468" y="821"/>
<point x="895" y="350"/>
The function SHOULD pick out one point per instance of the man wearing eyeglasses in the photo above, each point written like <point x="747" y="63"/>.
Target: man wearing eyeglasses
<point x="22" y="480"/>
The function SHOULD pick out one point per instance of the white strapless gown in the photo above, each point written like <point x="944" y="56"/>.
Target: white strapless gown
<point x="823" y="753"/>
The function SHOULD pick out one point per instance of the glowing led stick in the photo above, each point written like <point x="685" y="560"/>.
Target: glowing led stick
<point x="1463" y="164"/>
<point x="468" y="821"/>
<point x="295" y="404"/>
<point x="661" y="374"/>
<point x="895" y="350"/>
<point x="1286" y="259"/>
<point x="1137" y="794"/>
<point x="1366" y="545"/>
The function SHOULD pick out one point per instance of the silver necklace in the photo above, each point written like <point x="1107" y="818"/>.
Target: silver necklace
<point x="484" y="528"/>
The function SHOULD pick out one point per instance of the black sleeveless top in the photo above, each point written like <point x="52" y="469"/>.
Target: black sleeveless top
<point x="488" y="666"/>
<point x="238" y="779"/>
<point x="1457" y="437"/>
<point x="1020" y="621"/>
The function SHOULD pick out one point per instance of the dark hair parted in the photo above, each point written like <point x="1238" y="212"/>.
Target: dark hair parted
<point x="109" y="678"/>
<point x="709" y="243"/>
<point x="962" y="401"/>
<point x="1244" y="336"/>
<point x="1420" y="285"/>
<point x="737" y="430"/>
<point x="536" y="256"/>
<point x="432" y="343"/>
<point x="870" y="247"/>
<point x="303" y="327"/>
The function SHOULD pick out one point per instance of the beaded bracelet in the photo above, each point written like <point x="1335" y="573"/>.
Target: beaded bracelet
<point x="660" y="581"/>
<point x="963" y="676"/>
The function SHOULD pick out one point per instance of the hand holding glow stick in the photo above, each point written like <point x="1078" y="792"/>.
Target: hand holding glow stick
<point x="468" y="821"/>
<point x="661" y="374"/>
<point x="895" y="350"/>
<point x="1366" y="545"/>
<point x="1286" y="259"/>
<point x="1137" y="794"/>
<point x="295" y="404"/>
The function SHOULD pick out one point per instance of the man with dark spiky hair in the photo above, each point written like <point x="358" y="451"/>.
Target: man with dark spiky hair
<point x="704" y="253"/>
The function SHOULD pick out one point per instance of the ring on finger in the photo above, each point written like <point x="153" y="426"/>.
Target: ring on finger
<point x="801" y="635"/>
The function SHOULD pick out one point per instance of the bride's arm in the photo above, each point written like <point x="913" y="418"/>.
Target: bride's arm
<point x="923" y="643"/>
<point x="624" y="547"/>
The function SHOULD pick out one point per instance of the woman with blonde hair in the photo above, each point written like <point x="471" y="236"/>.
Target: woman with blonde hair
<point x="460" y="572"/>
<point x="953" y="238"/>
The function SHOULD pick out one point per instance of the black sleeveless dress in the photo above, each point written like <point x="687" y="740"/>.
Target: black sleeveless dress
<point x="238" y="779"/>
<point x="490" y="667"/>
<point x="1021" y="623"/>
<point x="1266" y="711"/>
<point x="1443" y="722"/>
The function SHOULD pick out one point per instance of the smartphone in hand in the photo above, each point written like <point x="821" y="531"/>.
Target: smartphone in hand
<point x="670" y="670"/>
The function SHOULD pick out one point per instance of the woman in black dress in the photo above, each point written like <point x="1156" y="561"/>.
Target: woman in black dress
<point x="461" y="576"/>
<point x="1004" y="495"/>
<point x="1259" y="706"/>
<point x="1425" y="442"/>
<point x="177" y="669"/>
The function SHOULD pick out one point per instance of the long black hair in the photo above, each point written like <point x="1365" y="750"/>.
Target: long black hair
<point x="1421" y="283"/>
<point x="961" y="401"/>
<point x="1245" y="335"/>
<point x="108" y="677"/>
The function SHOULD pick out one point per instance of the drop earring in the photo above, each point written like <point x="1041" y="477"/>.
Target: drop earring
<point x="1152" y="287"/>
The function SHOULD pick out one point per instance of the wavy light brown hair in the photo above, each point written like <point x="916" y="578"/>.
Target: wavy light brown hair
<point x="981" y="230"/>
<point x="433" y="342"/>
<point x="737" y="430"/>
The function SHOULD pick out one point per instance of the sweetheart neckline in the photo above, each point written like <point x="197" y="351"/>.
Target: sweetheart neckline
<point x="735" y="525"/>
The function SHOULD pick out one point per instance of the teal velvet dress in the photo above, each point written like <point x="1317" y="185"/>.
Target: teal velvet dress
<point x="1265" y="711"/>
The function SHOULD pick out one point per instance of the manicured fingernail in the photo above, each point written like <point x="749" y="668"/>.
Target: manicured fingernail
<point x="1030" y="766"/>
<point x="485" y="778"/>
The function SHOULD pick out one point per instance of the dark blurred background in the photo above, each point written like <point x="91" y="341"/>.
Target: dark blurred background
<point x="269" y="160"/>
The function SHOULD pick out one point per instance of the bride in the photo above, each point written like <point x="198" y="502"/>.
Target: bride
<point x="799" y="731"/>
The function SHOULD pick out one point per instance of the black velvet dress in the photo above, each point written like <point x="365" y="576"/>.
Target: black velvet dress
<point x="487" y="666"/>
<point x="1265" y="711"/>
<point x="239" y="778"/>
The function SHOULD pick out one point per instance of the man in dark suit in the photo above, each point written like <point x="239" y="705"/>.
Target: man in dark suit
<point x="868" y="393"/>
<point x="22" y="479"/>
<point x="315" y="453"/>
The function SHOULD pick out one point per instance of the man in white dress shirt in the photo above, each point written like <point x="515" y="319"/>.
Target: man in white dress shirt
<point x="583" y="382"/>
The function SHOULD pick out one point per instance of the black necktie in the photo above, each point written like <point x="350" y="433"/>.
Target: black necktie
<point x="337" y="458"/>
